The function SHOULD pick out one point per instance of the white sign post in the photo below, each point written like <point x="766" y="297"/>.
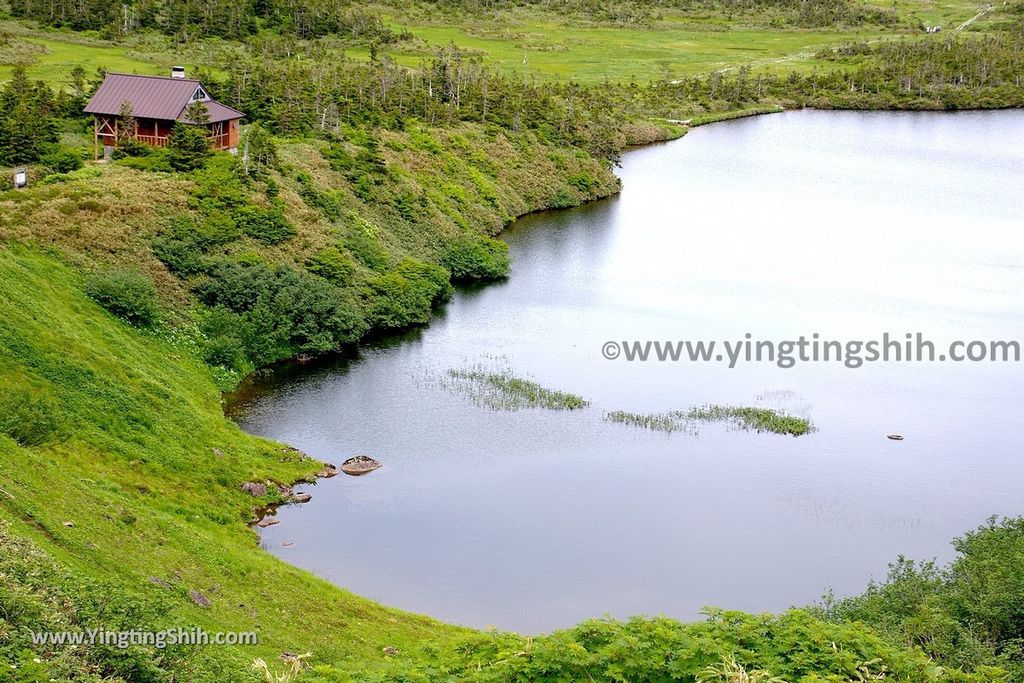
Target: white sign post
<point x="20" y="178"/>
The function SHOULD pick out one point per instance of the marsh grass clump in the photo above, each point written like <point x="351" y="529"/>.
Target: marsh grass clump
<point x="500" y="389"/>
<point x="746" y="418"/>
<point x="673" y="421"/>
<point x="750" y="418"/>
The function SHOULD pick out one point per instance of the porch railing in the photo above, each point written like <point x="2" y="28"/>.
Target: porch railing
<point x="154" y="140"/>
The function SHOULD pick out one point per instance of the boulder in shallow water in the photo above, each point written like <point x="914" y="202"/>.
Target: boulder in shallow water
<point x="301" y="497"/>
<point x="359" y="465"/>
<point x="267" y="521"/>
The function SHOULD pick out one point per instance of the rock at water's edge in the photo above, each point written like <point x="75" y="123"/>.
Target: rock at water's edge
<point x="255" y="489"/>
<point x="359" y="465"/>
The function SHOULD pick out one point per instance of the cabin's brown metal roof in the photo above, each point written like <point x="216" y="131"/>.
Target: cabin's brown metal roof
<point x="153" y="97"/>
<point x="218" y="112"/>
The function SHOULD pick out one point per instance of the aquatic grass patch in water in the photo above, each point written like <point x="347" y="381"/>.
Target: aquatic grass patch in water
<point x="673" y="421"/>
<point x="502" y="390"/>
<point x="747" y="418"/>
<point x="751" y="418"/>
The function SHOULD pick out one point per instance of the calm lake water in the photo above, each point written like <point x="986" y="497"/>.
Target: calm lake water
<point x="844" y="224"/>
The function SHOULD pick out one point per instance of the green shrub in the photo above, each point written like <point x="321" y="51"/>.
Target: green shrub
<point x="584" y="182"/>
<point x="364" y="161"/>
<point x="157" y="160"/>
<point x="225" y="346"/>
<point x="80" y="174"/>
<point x="62" y="160"/>
<point x="329" y="203"/>
<point x="368" y="250"/>
<point x="266" y="225"/>
<point x="987" y="581"/>
<point x="183" y="245"/>
<point x="127" y="294"/>
<point x="218" y="227"/>
<point x="477" y="258"/>
<point x="221" y="184"/>
<point x="969" y="614"/>
<point x="332" y="265"/>
<point x="187" y="147"/>
<point x="131" y="148"/>
<point x="179" y="255"/>
<point x="279" y="312"/>
<point x="26" y="415"/>
<point x="563" y="199"/>
<point x="728" y="646"/>
<point x="407" y="295"/>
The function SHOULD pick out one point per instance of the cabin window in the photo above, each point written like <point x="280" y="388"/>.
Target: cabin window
<point x="200" y="95"/>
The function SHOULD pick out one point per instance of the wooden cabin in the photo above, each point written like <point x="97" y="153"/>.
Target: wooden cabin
<point x="157" y="103"/>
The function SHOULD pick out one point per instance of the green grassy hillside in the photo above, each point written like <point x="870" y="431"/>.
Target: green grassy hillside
<point x="116" y="460"/>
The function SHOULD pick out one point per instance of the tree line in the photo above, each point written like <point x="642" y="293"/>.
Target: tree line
<point x="804" y="13"/>
<point x="195" y="19"/>
<point x="319" y="96"/>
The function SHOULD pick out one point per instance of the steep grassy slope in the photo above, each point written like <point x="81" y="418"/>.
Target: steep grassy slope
<point x="135" y="477"/>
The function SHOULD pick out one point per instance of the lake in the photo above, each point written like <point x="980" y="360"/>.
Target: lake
<point x="844" y="224"/>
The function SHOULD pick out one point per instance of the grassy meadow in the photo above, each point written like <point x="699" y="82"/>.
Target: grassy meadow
<point x="554" y="51"/>
<point x="531" y="43"/>
<point x="546" y="46"/>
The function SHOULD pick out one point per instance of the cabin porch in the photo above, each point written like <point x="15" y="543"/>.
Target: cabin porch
<point x="223" y="135"/>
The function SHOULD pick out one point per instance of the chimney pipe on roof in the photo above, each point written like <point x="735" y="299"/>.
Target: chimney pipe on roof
<point x="177" y="72"/>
